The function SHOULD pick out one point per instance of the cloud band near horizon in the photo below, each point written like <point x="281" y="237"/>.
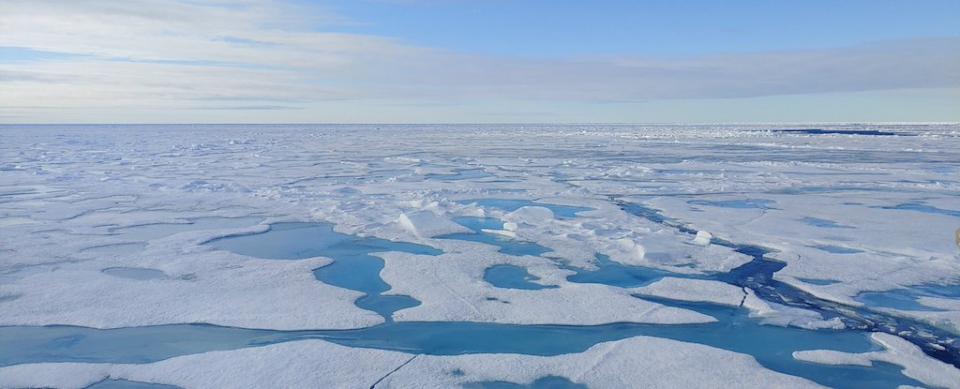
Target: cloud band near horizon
<point x="69" y="61"/>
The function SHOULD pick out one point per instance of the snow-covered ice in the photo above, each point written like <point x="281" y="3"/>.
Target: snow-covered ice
<point x="636" y="362"/>
<point x="109" y="227"/>
<point x="451" y="288"/>
<point x="916" y="364"/>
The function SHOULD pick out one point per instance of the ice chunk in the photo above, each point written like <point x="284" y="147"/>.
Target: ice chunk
<point x="694" y="290"/>
<point x="426" y="224"/>
<point x="530" y="214"/>
<point x="702" y="238"/>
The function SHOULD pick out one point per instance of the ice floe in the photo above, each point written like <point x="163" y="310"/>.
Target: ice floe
<point x="645" y="361"/>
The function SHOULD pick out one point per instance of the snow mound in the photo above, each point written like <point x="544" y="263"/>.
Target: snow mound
<point x="702" y="238"/>
<point x="426" y="224"/>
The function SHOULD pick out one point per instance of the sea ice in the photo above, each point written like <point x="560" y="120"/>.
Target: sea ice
<point x="657" y="363"/>
<point x="450" y="288"/>
<point x="916" y="364"/>
<point x="106" y="227"/>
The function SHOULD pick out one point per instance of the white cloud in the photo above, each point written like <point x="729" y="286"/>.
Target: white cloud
<point x="184" y="54"/>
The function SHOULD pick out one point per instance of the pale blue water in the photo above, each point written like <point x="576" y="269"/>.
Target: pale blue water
<point x="510" y="205"/>
<point x="943" y="169"/>
<point x="837" y="249"/>
<point x="9" y="297"/>
<point x="818" y="281"/>
<point x="758" y="275"/>
<point x="115" y="249"/>
<point x="617" y="274"/>
<point x="737" y="204"/>
<point x="124" y="384"/>
<point x="944" y="291"/>
<point x="815" y="189"/>
<point x="135" y="273"/>
<point x="299" y="240"/>
<point x="925" y="209"/>
<point x="548" y="382"/>
<point x="906" y="299"/>
<point x="460" y="174"/>
<point x="160" y="230"/>
<point x="894" y="299"/>
<point x="507" y="246"/>
<point x="353" y="267"/>
<point x="350" y="177"/>
<point x="822" y="223"/>
<point x="772" y="346"/>
<point x="696" y="172"/>
<point x="512" y="277"/>
<point x="820" y="131"/>
<point x="479" y="223"/>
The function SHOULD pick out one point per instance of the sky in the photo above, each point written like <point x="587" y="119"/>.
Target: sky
<point x="479" y="61"/>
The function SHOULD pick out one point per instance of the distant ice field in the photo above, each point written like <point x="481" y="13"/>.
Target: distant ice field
<point x="479" y="256"/>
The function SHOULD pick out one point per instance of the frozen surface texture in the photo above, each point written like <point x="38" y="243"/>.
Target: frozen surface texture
<point x="316" y="363"/>
<point x="916" y="364"/>
<point x="825" y="229"/>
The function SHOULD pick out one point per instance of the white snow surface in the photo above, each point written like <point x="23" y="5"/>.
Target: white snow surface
<point x="451" y="288"/>
<point x="636" y="362"/>
<point x="694" y="290"/>
<point x="717" y="292"/>
<point x="67" y="191"/>
<point x="916" y="364"/>
<point x="426" y="224"/>
<point x="74" y="290"/>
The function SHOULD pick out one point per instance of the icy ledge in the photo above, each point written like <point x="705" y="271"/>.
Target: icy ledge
<point x="449" y="288"/>
<point x="916" y="364"/>
<point x="652" y="362"/>
<point x="202" y="286"/>
<point x="717" y="292"/>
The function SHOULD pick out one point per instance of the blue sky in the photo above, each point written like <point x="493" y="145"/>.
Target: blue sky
<point x="479" y="61"/>
<point x="686" y="27"/>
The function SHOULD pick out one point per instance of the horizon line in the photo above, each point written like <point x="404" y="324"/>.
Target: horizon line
<point x="495" y="123"/>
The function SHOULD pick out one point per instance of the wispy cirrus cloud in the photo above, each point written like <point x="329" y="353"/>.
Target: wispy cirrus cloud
<point x="183" y="55"/>
<point x="931" y="63"/>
